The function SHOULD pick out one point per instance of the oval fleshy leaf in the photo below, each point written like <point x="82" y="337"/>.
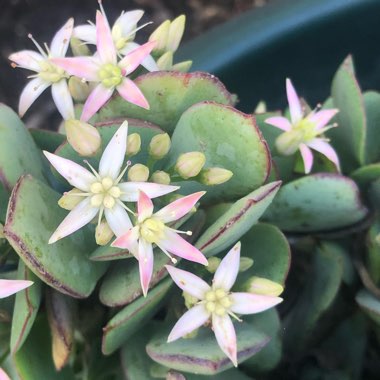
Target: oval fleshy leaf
<point x="46" y="139"/>
<point x="229" y="139"/>
<point x="26" y="159"/>
<point x="169" y="94"/>
<point x="373" y="252"/>
<point x="366" y="174"/>
<point x="33" y="215"/>
<point x="239" y="218"/>
<point x="26" y="307"/>
<point x="369" y="304"/>
<point x="317" y="202"/>
<point x="372" y="111"/>
<point x="132" y="317"/>
<point x="185" y="354"/>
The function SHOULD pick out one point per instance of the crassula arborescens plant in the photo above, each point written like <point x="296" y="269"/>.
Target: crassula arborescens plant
<point x="136" y="231"/>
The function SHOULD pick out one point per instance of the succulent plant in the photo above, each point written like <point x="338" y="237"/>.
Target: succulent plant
<point x="102" y="303"/>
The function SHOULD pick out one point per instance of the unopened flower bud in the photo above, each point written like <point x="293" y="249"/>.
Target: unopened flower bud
<point x="261" y="107"/>
<point x="79" y="90"/>
<point x="177" y="27"/>
<point x="138" y="173"/>
<point x="83" y="137"/>
<point x="213" y="263"/>
<point x="159" y="146"/>
<point x="190" y="164"/>
<point x="245" y="263"/>
<point x="190" y="300"/>
<point x="69" y="199"/>
<point x="160" y="177"/>
<point x="160" y="35"/>
<point x="214" y="176"/>
<point x="103" y="233"/>
<point x="259" y="285"/>
<point x="165" y="62"/>
<point x="183" y="66"/>
<point x="133" y="144"/>
<point x="79" y="48"/>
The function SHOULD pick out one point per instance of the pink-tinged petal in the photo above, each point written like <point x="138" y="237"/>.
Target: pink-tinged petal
<point x="126" y="23"/>
<point x="144" y="207"/>
<point x="225" y="335"/>
<point x="3" y="375"/>
<point x="129" y="240"/>
<point x="307" y="157"/>
<point x="82" y="67"/>
<point x="113" y="156"/>
<point x="190" y="321"/>
<point x="86" y="33"/>
<point x="28" y="59"/>
<point x="118" y="219"/>
<point x="133" y="59"/>
<point x="225" y="275"/>
<point x="145" y="264"/>
<point x="179" y="208"/>
<point x="95" y="101"/>
<point x="326" y="149"/>
<point x="295" y="107"/>
<point x="74" y="174"/>
<point x="178" y="246"/>
<point x="279" y="122"/>
<point x="321" y="118"/>
<point x="131" y="93"/>
<point x="62" y="99"/>
<point x="61" y="40"/>
<point x="82" y="214"/>
<point x="9" y="287"/>
<point x="30" y="93"/>
<point x="104" y="42"/>
<point x="130" y="190"/>
<point x="247" y="303"/>
<point x="188" y="282"/>
<point x="148" y="62"/>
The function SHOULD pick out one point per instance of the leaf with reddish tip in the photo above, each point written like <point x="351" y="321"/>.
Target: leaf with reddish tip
<point x="26" y="307"/>
<point x="235" y="222"/>
<point x="317" y="202"/>
<point x="185" y="354"/>
<point x="169" y="94"/>
<point x="33" y="215"/>
<point x="60" y="312"/>
<point x="133" y="317"/>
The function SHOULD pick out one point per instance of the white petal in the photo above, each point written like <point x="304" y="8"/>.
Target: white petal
<point x="28" y="59"/>
<point x="191" y="320"/>
<point x="326" y="149"/>
<point x="61" y="40"/>
<point x="279" y="122"/>
<point x="62" y="99"/>
<point x="82" y="214"/>
<point x="30" y="93"/>
<point x="144" y="207"/>
<point x="114" y="154"/>
<point x="225" y="275"/>
<point x="225" y="335"/>
<point x="127" y="22"/>
<point x="188" y="282"/>
<point x="307" y="157"/>
<point x="75" y="174"/>
<point x="9" y="287"/>
<point x="152" y="190"/>
<point x="247" y="303"/>
<point x="128" y="240"/>
<point x="118" y="219"/>
<point x="86" y="33"/>
<point x="295" y="107"/>
<point x="149" y="63"/>
<point x="145" y="264"/>
<point x="104" y="42"/>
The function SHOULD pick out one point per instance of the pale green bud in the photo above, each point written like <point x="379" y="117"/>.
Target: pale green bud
<point x="261" y="107"/>
<point x="165" y="62"/>
<point x="213" y="263"/>
<point x="245" y="263"/>
<point x="259" y="285"/>
<point x="79" y="48"/>
<point x="160" y="177"/>
<point x="214" y="176"/>
<point x="69" y="199"/>
<point x="183" y="66"/>
<point x="159" y="146"/>
<point x="138" y="173"/>
<point x="160" y="35"/>
<point x="190" y="164"/>
<point x="177" y="27"/>
<point x="133" y="144"/>
<point x="190" y="300"/>
<point x="103" y="233"/>
<point x="79" y="89"/>
<point x="84" y="138"/>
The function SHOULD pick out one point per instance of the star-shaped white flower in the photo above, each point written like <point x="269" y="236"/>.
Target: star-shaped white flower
<point x="48" y="74"/>
<point x="102" y="191"/>
<point x="303" y="132"/>
<point x="216" y="302"/>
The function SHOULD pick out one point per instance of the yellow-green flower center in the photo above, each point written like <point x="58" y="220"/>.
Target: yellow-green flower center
<point x="104" y="193"/>
<point x="217" y="301"/>
<point x="152" y="230"/>
<point x="110" y="75"/>
<point x="50" y="72"/>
